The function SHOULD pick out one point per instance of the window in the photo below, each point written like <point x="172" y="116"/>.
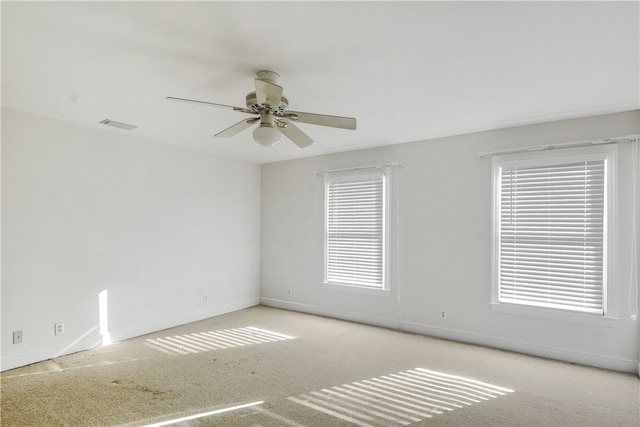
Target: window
<point x="551" y="222"/>
<point x="356" y="228"/>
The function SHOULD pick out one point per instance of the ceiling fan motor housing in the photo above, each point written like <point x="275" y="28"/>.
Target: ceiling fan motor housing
<point x="252" y="104"/>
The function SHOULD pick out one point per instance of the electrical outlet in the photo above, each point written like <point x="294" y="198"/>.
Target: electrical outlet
<point x="58" y="328"/>
<point x="443" y="314"/>
<point x="205" y="299"/>
<point x="17" y="337"/>
<point x="289" y="291"/>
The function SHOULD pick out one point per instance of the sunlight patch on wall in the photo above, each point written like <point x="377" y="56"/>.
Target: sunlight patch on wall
<point x="103" y="309"/>
<point x="214" y="340"/>
<point x="402" y="398"/>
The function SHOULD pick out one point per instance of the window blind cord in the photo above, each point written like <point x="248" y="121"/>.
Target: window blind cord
<point x="633" y="276"/>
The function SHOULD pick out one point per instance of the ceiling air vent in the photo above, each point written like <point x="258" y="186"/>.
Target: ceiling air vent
<point x="118" y="125"/>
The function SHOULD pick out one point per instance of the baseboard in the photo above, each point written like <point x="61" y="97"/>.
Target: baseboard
<point x="561" y="354"/>
<point x="182" y="319"/>
<point x="92" y="338"/>
<point x="328" y="312"/>
<point x="548" y="352"/>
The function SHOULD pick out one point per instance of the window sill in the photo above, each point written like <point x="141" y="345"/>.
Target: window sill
<point x="552" y="314"/>
<point x="356" y="289"/>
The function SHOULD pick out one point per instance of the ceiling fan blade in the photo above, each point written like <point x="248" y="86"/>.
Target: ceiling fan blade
<point x="294" y="133"/>
<point x="193" y="101"/>
<point x="268" y="93"/>
<point x="321" y="119"/>
<point x="237" y="128"/>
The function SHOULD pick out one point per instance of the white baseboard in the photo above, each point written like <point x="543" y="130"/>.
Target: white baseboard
<point x="92" y="338"/>
<point x="548" y="352"/>
<point x="183" y="319"/>
<point x="561" y="354"/>
<point x="328" y="312"/>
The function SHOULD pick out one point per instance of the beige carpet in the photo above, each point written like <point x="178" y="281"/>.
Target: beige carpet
<point x="268" y="367"/>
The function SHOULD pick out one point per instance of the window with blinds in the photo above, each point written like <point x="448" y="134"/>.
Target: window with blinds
<point x="551" y="223"/>
<point x="356" y="229"/>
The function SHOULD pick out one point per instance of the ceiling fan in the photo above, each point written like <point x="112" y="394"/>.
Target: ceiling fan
<point x="271" y="110"/>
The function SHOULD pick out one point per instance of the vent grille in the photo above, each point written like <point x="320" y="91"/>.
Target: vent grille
<point x="118" y="125"/>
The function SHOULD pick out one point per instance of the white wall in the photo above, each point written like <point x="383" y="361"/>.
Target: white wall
<point x="86" y="210"/>
<point x="443" y="237"/>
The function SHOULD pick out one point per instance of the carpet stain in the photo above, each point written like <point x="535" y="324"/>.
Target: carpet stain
<point x="131" y="386"/>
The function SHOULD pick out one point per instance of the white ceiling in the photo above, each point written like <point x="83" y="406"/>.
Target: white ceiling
<point x="406" y="70"/>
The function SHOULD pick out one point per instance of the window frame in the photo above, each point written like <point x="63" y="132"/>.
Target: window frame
<point x="346" y="175"/>
<point x="566" y="155"/>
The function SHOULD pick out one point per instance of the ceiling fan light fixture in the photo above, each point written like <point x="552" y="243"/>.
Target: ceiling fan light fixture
<point x="266" y="135"/>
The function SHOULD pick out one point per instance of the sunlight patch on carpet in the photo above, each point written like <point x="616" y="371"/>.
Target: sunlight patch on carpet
<point x="399" y="399"/>
<point x="198" y="342"/>
<point x="203" y="415"/>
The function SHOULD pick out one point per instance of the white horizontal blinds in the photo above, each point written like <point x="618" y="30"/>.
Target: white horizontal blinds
<point x="552" y="235"/>
<point x="355" y="230"/>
